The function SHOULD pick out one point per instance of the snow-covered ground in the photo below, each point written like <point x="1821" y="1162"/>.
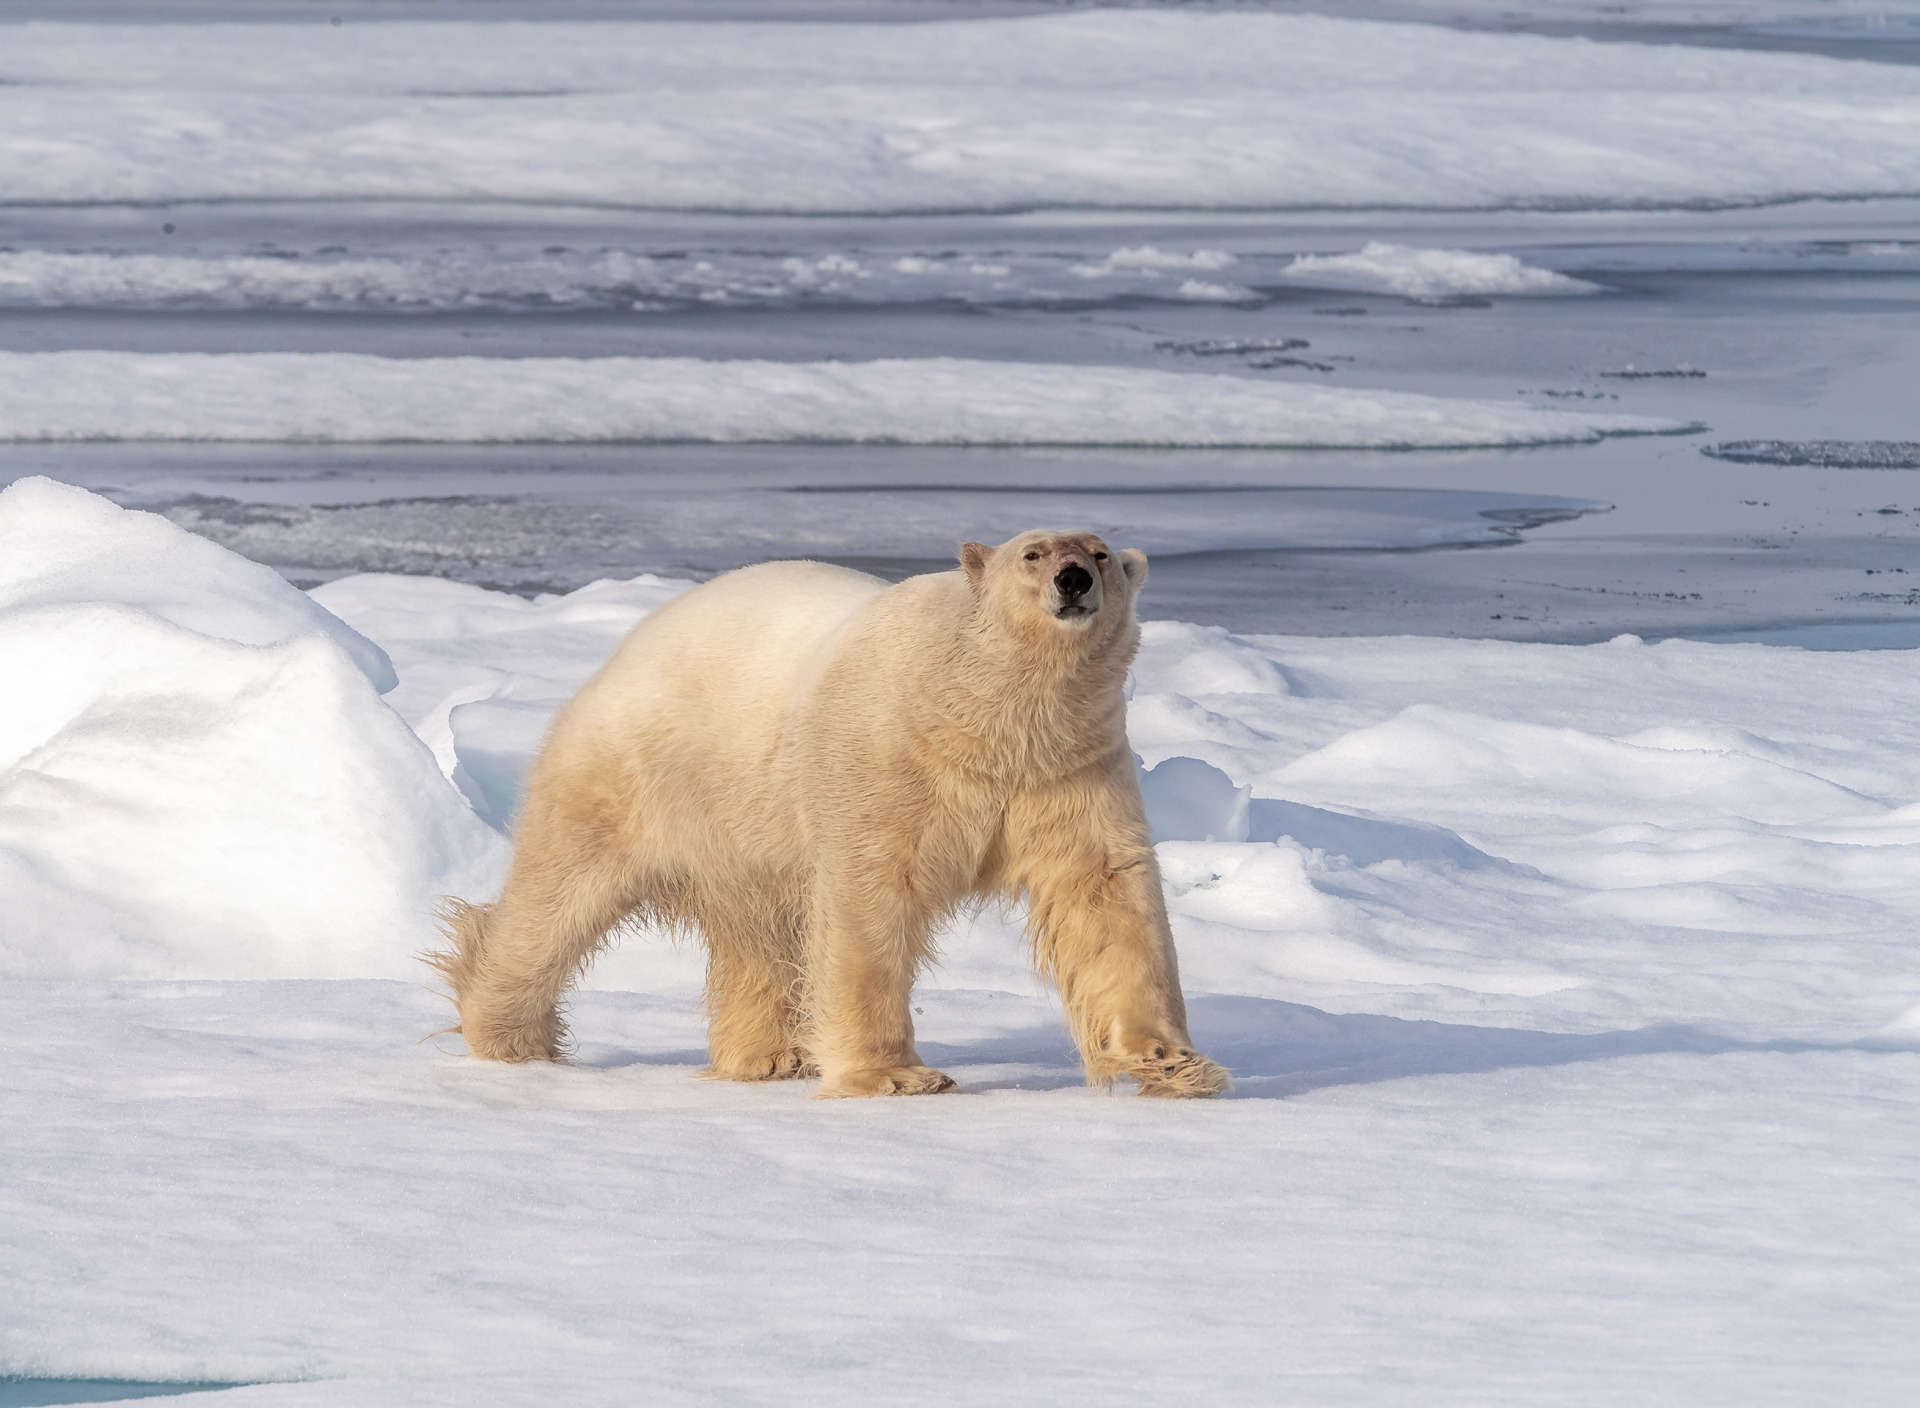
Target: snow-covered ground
<point x="1570" y="993"/>
<point x="1568" y="979"/>
<point x="281" y="1181"/>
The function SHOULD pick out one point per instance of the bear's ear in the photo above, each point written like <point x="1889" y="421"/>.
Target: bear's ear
<point x="1133" y="562"/>
<point x="973" y="560"/>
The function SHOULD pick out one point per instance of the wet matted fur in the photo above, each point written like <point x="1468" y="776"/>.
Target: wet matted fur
<point x="812" y="770"/>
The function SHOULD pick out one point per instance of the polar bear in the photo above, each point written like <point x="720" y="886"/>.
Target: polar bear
<point x="813" y="769"/>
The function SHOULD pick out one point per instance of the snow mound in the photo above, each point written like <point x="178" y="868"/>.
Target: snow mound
<point x="344" y="397"/>
<point x="197" y="776"/>
<point x="482" y="672"/>
<point x="60" y="546"/>
<point x="1188" y="800"/>
<point x="1430" y="274"/>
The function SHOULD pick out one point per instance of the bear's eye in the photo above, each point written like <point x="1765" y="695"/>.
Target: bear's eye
<point x="1033" y="557"/>
<point x="1099" y="557"/>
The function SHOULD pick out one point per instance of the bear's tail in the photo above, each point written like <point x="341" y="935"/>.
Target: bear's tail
<point x="464" y="927"/>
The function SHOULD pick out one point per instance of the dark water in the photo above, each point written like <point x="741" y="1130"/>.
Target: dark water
<point x="31" y="1393"/>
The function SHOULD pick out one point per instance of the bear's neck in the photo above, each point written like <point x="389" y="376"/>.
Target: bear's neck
<point x="1044" y="705"/>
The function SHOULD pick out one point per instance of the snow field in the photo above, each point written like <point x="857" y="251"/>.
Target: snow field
<point x="1569" y="992"/>
<point x="280" y="1181"/>
<point x="336" y="397"/>
<point x="1114" y="109"/>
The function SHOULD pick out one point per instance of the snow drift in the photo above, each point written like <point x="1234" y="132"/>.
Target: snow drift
<point x="335" y="397"/>
<point x="487" y="670"/>
<point x="61" y="546"/>
<point x="197" y="775"/>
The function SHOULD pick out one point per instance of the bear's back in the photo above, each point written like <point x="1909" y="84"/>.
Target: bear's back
<point x="714" y="671"/>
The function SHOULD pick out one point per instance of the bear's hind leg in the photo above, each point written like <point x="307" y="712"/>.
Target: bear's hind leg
<point x="509" y="962"/>
<point x="753" y="995"/>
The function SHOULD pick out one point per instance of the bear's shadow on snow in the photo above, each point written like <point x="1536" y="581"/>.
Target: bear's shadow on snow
<point x="1279" y="1049"/>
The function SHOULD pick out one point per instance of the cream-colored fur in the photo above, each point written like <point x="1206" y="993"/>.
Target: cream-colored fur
<point x="813" y="770"/>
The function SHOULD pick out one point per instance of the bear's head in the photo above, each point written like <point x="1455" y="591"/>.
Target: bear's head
<point x="1057" y="584"/>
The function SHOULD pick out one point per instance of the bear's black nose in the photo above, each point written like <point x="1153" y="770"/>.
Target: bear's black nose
<point x="1073" y="582"/>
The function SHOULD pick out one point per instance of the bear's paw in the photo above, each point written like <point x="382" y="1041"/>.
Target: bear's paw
<point x="791" y="1064"/>
<point x="886" y="1080"/>
<point x="1177" y="1073"/>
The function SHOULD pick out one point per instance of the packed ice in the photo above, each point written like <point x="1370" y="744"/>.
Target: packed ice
<point x="616" y="279"/>
<point x="702" y="527"/>
<point x="340" y="396"/>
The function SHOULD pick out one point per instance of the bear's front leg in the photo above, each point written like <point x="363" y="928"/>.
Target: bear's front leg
<point x="1080" y="851"/>
<point x="864" y="947"/>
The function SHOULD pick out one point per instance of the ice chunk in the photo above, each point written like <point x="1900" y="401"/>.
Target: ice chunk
<point x="1147" y="257"/>
<point x="1498" y="766"/>
<point x="59" y="544"/>
<point x="1188" y="800"/>
<point x="1430" y="274"/>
